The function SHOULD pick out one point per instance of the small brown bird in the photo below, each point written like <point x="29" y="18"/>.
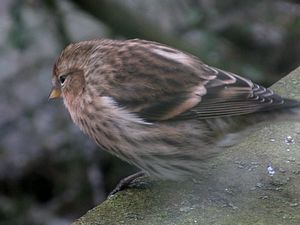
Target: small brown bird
<point x="156" y="107"/>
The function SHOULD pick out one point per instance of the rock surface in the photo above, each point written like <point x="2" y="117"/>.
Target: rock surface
<point x="255" y="182"/>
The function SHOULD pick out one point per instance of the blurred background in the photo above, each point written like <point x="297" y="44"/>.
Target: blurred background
<point x="51" y="173"/>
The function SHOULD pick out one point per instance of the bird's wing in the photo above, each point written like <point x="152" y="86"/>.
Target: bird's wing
<point x="160" y="83"/>
<point x="230" y="95"/>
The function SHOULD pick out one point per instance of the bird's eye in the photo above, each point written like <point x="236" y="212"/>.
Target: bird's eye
<point x="62" y="79"/>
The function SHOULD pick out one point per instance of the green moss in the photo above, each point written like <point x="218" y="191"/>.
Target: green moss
<point x="236" y="187"/>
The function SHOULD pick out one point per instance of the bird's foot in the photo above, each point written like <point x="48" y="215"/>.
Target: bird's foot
<point x="130" y="181"/>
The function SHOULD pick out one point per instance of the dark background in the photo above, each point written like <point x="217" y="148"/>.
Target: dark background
<point x="50" y="173"/>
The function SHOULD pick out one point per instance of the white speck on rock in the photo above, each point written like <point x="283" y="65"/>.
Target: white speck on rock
<point x="270" y="169"/>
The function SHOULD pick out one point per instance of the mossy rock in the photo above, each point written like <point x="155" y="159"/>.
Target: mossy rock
<point x="255" y="182"/>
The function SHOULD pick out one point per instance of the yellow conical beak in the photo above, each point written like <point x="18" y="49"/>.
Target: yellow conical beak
<point x="55" y="93"/>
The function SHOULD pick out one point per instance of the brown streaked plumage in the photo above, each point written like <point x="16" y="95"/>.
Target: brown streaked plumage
<point x="156" y="107"/>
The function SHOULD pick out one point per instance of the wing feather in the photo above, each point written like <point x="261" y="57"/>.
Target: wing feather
<point x="170" y="84"/>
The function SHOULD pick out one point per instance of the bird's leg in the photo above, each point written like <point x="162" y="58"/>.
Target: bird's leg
<point x="126" y="182"/>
